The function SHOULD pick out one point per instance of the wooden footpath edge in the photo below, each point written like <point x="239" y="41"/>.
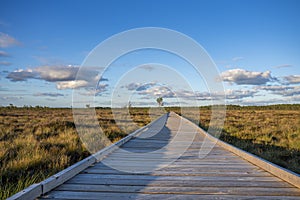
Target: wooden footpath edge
<point x="38" y="189"/>
<point x="280" y="172"/>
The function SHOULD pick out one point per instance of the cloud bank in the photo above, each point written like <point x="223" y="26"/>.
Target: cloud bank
<point x="244" y="77"/>
<point x="293" y="79"/>
<point x="282" y="90"/>
<point x="65" y="77"/>
<point x="152" y="90"/>
<point x="48" y="94"/>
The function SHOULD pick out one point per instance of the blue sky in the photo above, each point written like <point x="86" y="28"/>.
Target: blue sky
<point x="255" y="45"/>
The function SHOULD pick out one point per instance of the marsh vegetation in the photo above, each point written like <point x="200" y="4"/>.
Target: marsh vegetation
<point x="37" y="142"/>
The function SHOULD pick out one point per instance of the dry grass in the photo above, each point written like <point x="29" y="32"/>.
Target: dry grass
<point x="35" y="143"/>
<point x="38" y="142"/>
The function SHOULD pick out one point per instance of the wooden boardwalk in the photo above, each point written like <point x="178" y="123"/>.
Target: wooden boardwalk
<point x="148" y="167"/>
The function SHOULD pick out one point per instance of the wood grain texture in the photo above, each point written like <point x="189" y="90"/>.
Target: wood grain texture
<point x="178" y="172"/>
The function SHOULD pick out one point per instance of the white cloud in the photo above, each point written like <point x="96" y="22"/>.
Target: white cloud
<point x="57" y="73"/>
<point x="244" y="77"/>
<point x="101" y="88"/>
<point x="150" y="90"/>
<point x="21" y="75"/>
<point x="71" y="84"/>
<point x="65" y="77"/>
<point x="293" y="79"/>
<point x="133" y="86"/>
<point x="239" y="94"/>
<point x="7" y="41"/>
<point x="282" y="90"/>
<point x="158" y="91"/>
<point x="295" y="99"/>
<point x="47" y="73"/>
<point x="227" y="94"/>
<point x="274" y="87"/>
<point x="139" y="86"/>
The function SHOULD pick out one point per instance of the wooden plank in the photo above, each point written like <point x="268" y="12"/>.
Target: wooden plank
<point x="276" y="170"/>
<point x="161" y="146"/>
<point x="183" y="167"/>
<point x="182" y="158"/>
<point x="158" y="157"/>
<point x="185" y="164"/>
<point x="189" y="183"/>
<point x="161" y="156"/>
<point x="152" y="150"/>
<point x="104" y="152"/>
<point x="219" y="175"/>
<point x="57" y="195"/>
<point x="95" y="177"/>
<point x="193" y="163"/>
<point x="181" y="189"/>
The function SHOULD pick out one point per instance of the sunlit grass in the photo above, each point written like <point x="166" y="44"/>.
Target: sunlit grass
<point x="35" y="143"/>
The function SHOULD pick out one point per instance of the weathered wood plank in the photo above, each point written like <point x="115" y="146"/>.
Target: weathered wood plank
<point x="95" y="177"/>
<point x="188" y="183"/>
<point x="198" y="166"/>
<point x="166" y="165"/>
<point x="278" y="171"/>
<point x="186" y="167"/>
<point x="221" y="174"/>
<point x="129" y="196"/>
<point x="183" y="159"/>
<point x="182" y="190"/>
<point x="185" y="173"/>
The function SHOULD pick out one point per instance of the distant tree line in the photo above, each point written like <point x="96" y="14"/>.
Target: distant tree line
<point x="161" y="103"/>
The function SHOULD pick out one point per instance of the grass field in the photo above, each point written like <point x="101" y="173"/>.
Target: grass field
<point x="38" y="142"/>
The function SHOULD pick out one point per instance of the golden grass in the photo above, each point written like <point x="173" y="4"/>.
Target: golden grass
<point x="35" y="143"/>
